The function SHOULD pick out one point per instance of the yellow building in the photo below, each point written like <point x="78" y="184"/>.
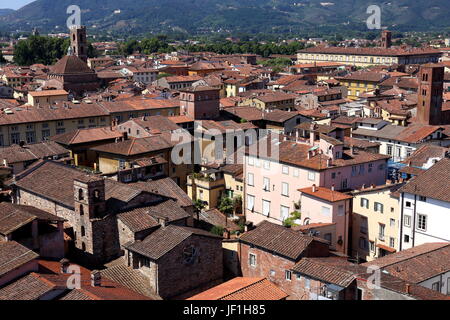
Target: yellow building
<point x="361" y="82"/>
<point x="364" y="57"/>
<point x="376" y="223"/>
<point x="207" y="186"/>
<point x="47" y="97"/>
<point x="270" y="101"/>
<point x="32" y="124"/>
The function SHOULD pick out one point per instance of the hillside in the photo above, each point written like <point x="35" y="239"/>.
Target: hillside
<point x="248" y="16"/>
<point x="4" y="12"/>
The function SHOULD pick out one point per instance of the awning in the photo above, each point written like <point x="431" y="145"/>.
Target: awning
<point x="386" y="248"/>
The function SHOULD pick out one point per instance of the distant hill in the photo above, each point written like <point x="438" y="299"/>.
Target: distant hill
<point x="4" y="12"/>
<point x="247" y="16"/>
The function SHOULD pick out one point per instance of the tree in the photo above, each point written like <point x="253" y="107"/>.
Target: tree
<point x="237" y="204"/>
<point x="199" y="205"/>
<point x="226" y="206"/>
<point x="290" y="222"/>
<point x="217" y="230"/>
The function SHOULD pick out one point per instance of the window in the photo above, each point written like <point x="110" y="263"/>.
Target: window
<point x="252" y="260"/>
<point x="250" y="202"/>
<point x="285" y="169"/>
<point x="391" y="242"/>
<point x="15" y="138"/>
<point x="251" y="161"/>
<point x="392" y="222"/>
<point x="333" y="175"/>
<point x="382" y="228"/>
<point x="406" y="238"/>
<point x="266" y="184"/>
<point x="284" y="213"/>
<point x="250" y="179"/>
<point x="407" y="221"/>
<point x="272" y="273"/>
<point x="378" y="207"/>
<point x="83" y="231"/>
<point x="328" y="237"/>
<point x="354" y="170"/>
<point x="422" y="222"/>
<point x="408" y="204"/>
<point x="363" y="243"/>
<point x="267" y="165"/>
<point x="288" y="275"/>
<point x="372" y="246"/>
<point x="341" y="211"/>
<point x="296" y="173"/>
<point x="307" y="283"/>
<point x="422" y="198"/>
<point x="311" y="176"/>
<point x="266" y="208"/>
<point x="285" y="189"/>
<point x="364" y="203"/>
<point x="436" y="286"/>
<point x="325" y="211"/>
<point x="45" y="134"/>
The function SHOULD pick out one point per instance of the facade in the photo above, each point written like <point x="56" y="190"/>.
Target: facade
<point x="375" y="222"/>
<point x="46" y="97"/>
<point x="425" y="207"/>
<point x="271" y="184"/>
<point x="200" y="103"/>
<point x="364" y="57"/>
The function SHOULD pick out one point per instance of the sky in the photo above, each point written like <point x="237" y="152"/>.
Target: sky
<point x="13" y="4"/>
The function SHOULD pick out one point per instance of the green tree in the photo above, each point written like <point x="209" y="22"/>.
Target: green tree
<point x="290" y="222"/>
<point x="217" y="230"/>
<point x="226" y="206"/>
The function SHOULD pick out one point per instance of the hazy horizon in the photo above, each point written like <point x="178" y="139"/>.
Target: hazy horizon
<point x="13" y="4"/>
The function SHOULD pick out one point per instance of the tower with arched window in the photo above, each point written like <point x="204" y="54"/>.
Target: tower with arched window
<point x="78" y="42"/>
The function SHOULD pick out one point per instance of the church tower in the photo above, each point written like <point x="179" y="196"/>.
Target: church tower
<point x="78" y="42"/>
<point x="431" y="88"/>
<point x="386" y="39"/>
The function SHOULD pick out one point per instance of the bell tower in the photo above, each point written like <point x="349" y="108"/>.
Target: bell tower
<point x="78" y="42"/>
<point x="431" y="88"/>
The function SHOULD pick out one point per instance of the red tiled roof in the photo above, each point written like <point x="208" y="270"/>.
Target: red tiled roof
<point x="243" y="289"/>
<point x="325" y="194"/>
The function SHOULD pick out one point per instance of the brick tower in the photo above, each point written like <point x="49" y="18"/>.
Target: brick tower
<point x="386" y="39"/>
<point x="431" y="87"/>
<point x="78" y="42"/>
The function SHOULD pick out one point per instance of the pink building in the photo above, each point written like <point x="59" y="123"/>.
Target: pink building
<point x="271" y="188"/>
<point x="323" y="205"/>
<point x="200" y="103"/>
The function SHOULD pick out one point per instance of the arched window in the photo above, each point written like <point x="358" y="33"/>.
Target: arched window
<point x="81" y="210"/>
<point x="83" y="246"/>
<point x="83" y="231"/>
<point x="80" y="194"/>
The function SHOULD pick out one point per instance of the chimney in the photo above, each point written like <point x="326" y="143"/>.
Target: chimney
<point x="64" y="264"/>
<point x="332" y="187"/>
<point x="408" y="288"/>
<point x="314" y="189"/>
<point x="328" y="163"/>
<point x="96" y="278"/>
<point x="163" y="221"/>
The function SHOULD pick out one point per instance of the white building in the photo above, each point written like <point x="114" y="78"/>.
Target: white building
<point x="425" y="207"/>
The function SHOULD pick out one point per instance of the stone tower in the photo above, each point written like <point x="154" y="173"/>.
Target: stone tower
<point x="90" y="206"/>
<point x="78" y="42"/>
<point x="431" y="87"/>
<point x="386" y="39"/>
<point x="200" y="102"/>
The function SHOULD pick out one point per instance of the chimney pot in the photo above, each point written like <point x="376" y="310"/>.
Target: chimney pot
<point x="314" y="189"/>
